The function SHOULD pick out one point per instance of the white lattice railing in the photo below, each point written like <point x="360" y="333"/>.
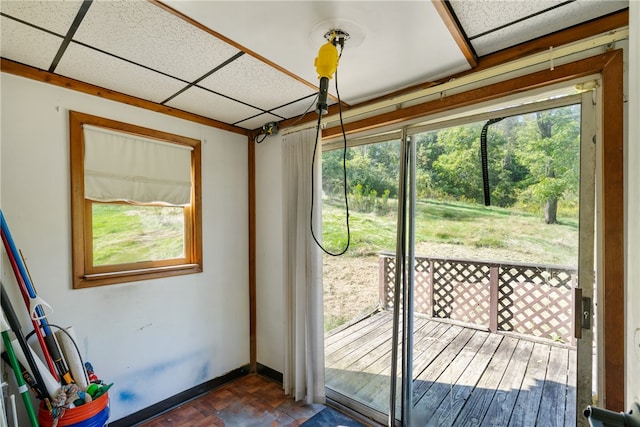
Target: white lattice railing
<point x="531" y="299"/>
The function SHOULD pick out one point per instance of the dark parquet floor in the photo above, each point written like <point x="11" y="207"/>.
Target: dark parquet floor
<point x="250" y="401"/>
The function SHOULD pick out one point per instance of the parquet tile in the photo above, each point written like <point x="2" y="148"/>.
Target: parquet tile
<point x="250" y="401"/>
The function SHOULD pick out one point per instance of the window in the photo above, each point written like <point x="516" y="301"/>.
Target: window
<point x="135" y="202"/>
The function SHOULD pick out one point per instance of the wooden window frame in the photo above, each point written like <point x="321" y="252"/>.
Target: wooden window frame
<point x="84" y="273"/>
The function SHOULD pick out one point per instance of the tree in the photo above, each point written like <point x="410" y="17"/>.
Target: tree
<point x="427" y="150"/>
<point x="332" y="172"/>
<point x="370" y="168"/>
<point x="550" y="143"/>
<point x="457" y="170"/>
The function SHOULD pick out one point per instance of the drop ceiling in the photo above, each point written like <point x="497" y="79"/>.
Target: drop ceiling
<point x="246" y="63"/>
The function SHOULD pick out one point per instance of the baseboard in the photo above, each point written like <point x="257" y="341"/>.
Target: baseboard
<point x="178" y="399"/>
<point x="266" y="371"/>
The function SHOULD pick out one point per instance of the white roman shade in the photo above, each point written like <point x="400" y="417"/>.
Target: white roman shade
<point x="119" y="166"/>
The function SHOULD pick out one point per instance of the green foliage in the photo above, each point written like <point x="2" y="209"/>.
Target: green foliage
<point x="360" y="202"/>
<point x="372" y="167"/>
<point x="532" y="159"/>
<point x="363" y="202"/>
<point x="549" y="145"/>
<point x="382" y="204"/>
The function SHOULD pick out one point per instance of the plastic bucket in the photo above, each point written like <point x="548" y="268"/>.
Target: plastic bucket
<point x="92" y="414"/>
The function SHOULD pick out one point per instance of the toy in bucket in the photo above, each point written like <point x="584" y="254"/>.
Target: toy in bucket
<point x="92" y="414"/>
<point x="75" y="407"/>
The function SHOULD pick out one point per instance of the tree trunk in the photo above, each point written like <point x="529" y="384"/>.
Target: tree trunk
<point x="551" y="211"/>
<point x="551" y="207"/>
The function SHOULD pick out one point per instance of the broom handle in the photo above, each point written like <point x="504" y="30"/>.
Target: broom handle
<point x="24" y="390"/>
<point x="24" y="285"/>
<point x="14" y="324"/>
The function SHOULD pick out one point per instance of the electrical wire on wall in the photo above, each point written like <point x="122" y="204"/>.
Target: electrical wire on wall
<point x="327" y="65"/>
<point x="271" y="128"/>
<point x="268" y="129"/>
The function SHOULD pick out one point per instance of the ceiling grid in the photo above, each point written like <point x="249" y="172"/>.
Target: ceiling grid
<point x="246" y="63"/>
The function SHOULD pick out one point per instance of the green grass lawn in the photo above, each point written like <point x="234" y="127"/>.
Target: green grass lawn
<point x="443" y="230"/>
<point x="124" y="233"/>
<point x="474" y="229"/>
<point x="127" y="233"/>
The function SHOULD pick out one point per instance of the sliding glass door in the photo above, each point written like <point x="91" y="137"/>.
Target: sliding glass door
<point x="358" y="312"/>
<point x="475" y="268"/>
<point x="499" y="268"/>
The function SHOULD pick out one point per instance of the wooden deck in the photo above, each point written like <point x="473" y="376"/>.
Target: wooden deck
<point x="462" y="376"/>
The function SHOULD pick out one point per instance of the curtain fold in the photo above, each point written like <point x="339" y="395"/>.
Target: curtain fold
<point x="303" y="376"/>
<point x="119" y="166"/>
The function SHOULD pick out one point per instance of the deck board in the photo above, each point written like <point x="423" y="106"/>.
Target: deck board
<point x="481" y="396"/>
<point x="439" y="389"/>
<point x="504" y="400"/>
<point x="530" y="391"/>
<point x="572" y="380"/>
<point x="554" y="391"/>
<point x="460" y="392"/>
<point x="462" y="376"/>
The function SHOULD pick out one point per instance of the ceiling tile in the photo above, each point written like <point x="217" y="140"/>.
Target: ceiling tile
<point x="299" y="108"/>
<point x="394" y="44"/>
<point x="479" y="16"/>
<point x="258" y="121"/>
<point x="546" y="23"/>
<point x="91" y="66"/>
<point x="199" y="101"/>
<point x="256" y="83"/>
<point x="55" y="16"/>
<point x="144" y="33"/>
<point x="27" y="45"/>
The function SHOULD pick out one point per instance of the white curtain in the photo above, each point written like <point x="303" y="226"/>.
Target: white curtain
<point x="304" y="339"/>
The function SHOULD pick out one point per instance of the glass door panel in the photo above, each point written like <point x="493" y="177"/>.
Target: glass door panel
<point x="492" y="242"/>
<point x="357" y="307"/>
<point x="495" y="285"/>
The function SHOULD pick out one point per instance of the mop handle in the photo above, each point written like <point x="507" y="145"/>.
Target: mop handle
<point x="22" y="387"/>
<point x="22" y="285"/>
<point x="14" y="324"/>
<point x="23" y="271"/>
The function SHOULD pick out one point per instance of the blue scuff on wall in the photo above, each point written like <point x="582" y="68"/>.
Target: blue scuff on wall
<point x="152" y="384"/>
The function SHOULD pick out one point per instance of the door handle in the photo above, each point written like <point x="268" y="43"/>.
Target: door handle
<point x="582" y="312"/>
<point x="586" y="313"/>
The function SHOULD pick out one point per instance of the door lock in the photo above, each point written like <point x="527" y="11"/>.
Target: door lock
<point x="586" y="313"/>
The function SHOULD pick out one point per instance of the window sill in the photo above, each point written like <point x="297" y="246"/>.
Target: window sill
<point x="99" y="279"/>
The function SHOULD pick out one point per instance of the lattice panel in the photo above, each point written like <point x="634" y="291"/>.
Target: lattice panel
<point x="531" y="299"/>
<point x="461" y="291"/>
<point x="536" y="302"/>
<point x="422" y="290"/>
<point x="471" y="303"/>
<point x="387" y="288"/>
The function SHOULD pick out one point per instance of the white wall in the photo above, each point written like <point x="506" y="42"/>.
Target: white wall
<point x="269" y="285"/>
<point x="632" y="197"/>
<point x="153" y="338"/>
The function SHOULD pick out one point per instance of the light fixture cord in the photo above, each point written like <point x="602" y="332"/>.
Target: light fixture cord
<point x="344" y="173"/>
